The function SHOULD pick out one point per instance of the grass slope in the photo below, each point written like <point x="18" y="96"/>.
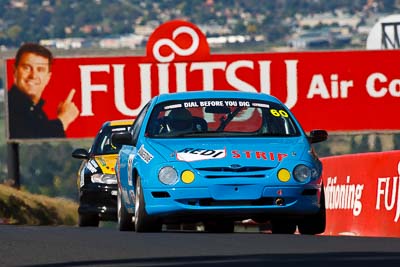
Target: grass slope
<point x="21" y="207"/>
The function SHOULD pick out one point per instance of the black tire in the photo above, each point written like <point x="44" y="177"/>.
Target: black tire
<point x="315" y="224"/>
<point x="219" y="226"/>
<point x="125" y="222"/>
<point x="143" y="222"/>
<point x="280" y="226"/>
<point x="88" y="220"/>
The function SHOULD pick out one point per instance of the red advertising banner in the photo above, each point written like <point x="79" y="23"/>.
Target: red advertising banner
<point x="340" y="91"/>
<point x="362" y="194"/>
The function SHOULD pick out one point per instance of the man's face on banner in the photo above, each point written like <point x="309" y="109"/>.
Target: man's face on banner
<point x="32" y="75"/>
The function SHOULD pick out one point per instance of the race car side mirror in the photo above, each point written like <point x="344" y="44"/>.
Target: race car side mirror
<point x="121" y="138"/>
<point x="80" y="153"/>
<point x="317" y="136"/>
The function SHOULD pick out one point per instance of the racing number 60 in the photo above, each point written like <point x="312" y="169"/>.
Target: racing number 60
<point x="279" y="113"/>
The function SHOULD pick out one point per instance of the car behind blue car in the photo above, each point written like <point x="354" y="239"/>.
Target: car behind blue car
<point x="97" y="184"/>
<point x="219" y="157"/>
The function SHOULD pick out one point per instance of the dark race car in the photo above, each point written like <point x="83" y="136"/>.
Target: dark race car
<point x="96" y="181"/>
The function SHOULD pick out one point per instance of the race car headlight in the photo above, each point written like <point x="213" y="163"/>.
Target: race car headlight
<point x="102" y="178"/>
<point x="302" y="173"/>
<point x="168" y="175"/>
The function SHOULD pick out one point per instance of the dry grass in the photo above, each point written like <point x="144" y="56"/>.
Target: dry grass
<point x="21" y="207"/>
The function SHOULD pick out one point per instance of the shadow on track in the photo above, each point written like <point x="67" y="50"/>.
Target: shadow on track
<point x="283" y="260"/>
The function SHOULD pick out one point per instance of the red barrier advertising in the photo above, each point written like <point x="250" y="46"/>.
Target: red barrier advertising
<point x="340" y="91"/>
<point x="362" y="194"/>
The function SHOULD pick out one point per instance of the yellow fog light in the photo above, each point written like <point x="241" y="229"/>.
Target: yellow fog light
<point x="283" y="175"/>
<point x="187" y="177"/>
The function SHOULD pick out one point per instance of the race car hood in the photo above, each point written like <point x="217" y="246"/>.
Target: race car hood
<point x="231" y="151"/>
<point x="106" y="163"/>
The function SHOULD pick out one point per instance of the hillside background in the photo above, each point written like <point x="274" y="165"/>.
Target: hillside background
<point x="98" y="27"/>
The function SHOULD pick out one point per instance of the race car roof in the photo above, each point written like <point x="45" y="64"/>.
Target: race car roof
<point x="215" y="94"/>
<point x="118" y="122"/>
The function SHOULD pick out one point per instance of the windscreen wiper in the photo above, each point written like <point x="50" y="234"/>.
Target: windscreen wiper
<point x="228" y="119"/>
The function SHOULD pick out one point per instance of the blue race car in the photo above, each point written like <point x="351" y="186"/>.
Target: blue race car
<point x="216" y="158"/>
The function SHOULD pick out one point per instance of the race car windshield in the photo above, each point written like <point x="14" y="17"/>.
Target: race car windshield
<point x="220" y="118"/>
<point x="103" y="145"/>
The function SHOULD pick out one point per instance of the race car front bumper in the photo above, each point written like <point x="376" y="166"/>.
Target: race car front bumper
<point x="99" y="199"/>
<point x="195" y="203"/>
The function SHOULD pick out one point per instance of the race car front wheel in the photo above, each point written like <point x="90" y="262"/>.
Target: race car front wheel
<point x="143" y="222"/>
<point x="125" y="222"/>
<point x="283" y="226"/>
<point x="316" y="223"/>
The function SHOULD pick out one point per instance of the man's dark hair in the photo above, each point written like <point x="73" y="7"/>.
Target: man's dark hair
<point x="35" y="49"/>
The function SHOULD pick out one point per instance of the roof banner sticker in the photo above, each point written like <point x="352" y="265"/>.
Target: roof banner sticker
<point x="218" y="103"/>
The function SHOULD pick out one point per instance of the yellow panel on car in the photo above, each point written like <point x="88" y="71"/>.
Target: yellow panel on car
<point x="107" y="163"/>
<point x="121" y="122"/>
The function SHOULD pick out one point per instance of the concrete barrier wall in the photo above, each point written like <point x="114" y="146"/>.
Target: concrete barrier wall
<point x="362" y="194"/>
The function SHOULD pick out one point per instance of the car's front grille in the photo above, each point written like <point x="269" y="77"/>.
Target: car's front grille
<point x="229" y="172"/>
<point x="231" y="169"/>
<point x="235" y="176"/>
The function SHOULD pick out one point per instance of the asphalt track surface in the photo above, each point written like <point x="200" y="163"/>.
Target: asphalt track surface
<point x="74" y="246"/>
